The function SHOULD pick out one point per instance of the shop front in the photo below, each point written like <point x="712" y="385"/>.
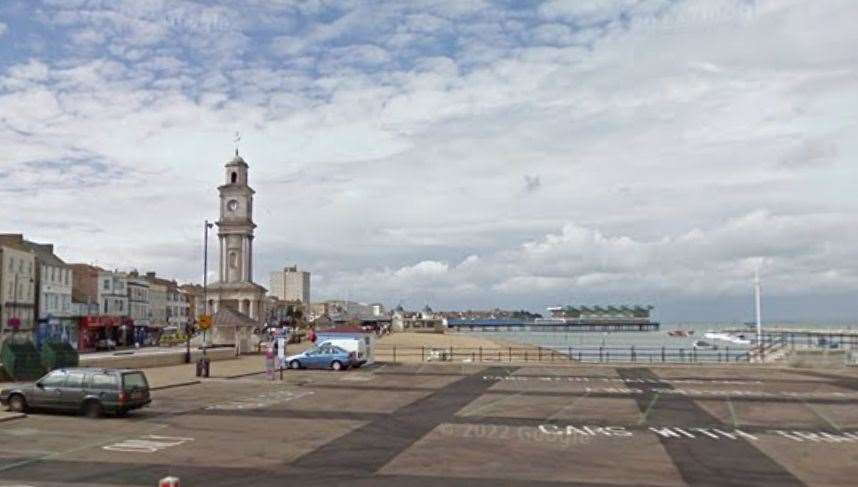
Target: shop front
<point x="104" y="333"/>
<point x="57" y="330"/>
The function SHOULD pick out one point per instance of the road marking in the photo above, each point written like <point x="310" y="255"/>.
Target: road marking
<point x="568" y="406"/>
<point x="147" y="444"/>
<point x="494" y="403"/>
<point x="823" y="416"/>
<point x="261" y="401"/>
<point x="645" y="413"/>
<point x="67" y="452"/>
<point x="733" y="416"/>
<point x="358" y="377"/>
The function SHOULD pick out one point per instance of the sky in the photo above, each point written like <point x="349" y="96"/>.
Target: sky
<point x="457" y="153"/>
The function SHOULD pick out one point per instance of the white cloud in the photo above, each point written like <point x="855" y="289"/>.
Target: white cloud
<point x="385" y="152"/>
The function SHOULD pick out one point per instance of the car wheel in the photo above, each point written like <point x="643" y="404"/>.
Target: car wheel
<point x="17" y="403"/>
<point x="336" y="365"/>
<point x="295" y="364"/>
<point x="93" y="409"/>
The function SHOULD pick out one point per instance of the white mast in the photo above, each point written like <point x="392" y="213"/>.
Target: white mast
<point x="757" y="309"/>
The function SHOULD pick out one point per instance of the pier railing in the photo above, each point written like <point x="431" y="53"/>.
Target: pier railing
<point x="583" y="354"/>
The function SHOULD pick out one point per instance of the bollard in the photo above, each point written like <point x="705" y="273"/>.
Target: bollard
<point x="169" y="482"/>
<point x="203" y="367"/>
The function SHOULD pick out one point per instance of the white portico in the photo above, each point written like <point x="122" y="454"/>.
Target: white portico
<point x="235" y="288"/>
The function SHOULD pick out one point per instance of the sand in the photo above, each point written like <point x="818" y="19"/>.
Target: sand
<point x="415" y="347"/>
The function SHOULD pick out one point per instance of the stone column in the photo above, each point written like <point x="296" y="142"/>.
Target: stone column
<point x="253" y="309"/>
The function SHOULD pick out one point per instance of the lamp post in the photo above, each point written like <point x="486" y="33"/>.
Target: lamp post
<point x="206" y="227"/>
<point x="758" y="312"/>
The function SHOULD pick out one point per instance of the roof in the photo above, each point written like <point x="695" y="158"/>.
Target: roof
<point x="229" y="317"/>
<point x="342" y="329"/>
<point x="483" y="322"/>
<point x="45" y="254"/>
<point x="237" y="160"/>
<point x="13" y="240"/>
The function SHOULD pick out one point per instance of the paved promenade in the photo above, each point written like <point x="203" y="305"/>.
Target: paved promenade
<point x="457" y="424"/>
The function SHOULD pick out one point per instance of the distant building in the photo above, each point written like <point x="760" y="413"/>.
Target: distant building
<point x="17" y="284"/>
<point x="194" y="294"/>
<point x="54" y="312"/>
<point x="102" y="298"/>
<point x="290" y="284"/>
<point x="424" y="320"/>
<point x="107" y="289"/>
<point x="636" y="313"/>
<point x="169" y="306"/>
<point x="139" y="309"/>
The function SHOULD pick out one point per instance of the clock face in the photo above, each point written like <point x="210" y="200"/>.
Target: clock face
<point x="232" y="205"/>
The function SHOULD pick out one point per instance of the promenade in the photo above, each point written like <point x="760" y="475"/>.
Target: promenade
<point x="457" y="424"/>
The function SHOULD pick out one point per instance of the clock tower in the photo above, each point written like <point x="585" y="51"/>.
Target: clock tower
<point x="235" y="300"/>
<point x="235" y="227"/>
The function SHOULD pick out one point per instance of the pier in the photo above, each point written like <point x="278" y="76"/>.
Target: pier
<point x="497" y="325"/>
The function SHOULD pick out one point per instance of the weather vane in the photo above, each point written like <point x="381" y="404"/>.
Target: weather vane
<point x="236" y="140"/>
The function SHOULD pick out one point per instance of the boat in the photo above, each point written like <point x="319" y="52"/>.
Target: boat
<point x="704" y="345"/>
<point x="680" y="333"/>
<point x="739" y="339"/>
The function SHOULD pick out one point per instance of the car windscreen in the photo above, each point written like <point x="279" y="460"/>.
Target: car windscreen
<point x="134" y="380"/>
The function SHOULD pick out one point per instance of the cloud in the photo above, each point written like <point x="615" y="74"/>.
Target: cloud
<point x="666" y="145"/>
<point x="810" y="153"/>
<point x="531" y="183"/>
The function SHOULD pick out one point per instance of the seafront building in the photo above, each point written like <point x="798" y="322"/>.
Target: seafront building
<point x="291" y="285"/>
<point x="17" y="284"/>
<point x="55" y="319"/>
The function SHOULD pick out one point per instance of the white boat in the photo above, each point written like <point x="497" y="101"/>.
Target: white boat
<point x="738" y="339"/>
<point x="703" y="345"/>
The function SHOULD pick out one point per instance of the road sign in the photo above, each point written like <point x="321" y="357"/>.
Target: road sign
<point x="205" y="322"/>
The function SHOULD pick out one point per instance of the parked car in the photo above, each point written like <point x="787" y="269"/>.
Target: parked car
<point x="90" y="391"/>
<point x="322" y="356"/>
<point x="356" y="346"/>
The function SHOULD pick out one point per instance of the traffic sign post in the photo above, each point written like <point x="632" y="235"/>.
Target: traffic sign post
<point x="205" y="322"/>
<point x="203" y="365"/>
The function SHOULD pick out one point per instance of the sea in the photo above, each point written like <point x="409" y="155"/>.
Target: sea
<point x="561" y="340"/>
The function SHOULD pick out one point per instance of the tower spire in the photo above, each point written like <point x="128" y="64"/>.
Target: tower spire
<point x="236" y="141"/>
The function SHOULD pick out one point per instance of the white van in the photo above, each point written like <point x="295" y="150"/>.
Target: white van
<point x="354" y="345"/>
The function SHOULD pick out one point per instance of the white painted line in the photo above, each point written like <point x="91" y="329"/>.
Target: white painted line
<point x="569" y="406"/>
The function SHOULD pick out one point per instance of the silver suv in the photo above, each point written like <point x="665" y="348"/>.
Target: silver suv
<point x="91" y="391"/>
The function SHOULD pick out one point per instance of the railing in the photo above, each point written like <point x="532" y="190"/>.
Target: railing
<point x="587" y="354"/>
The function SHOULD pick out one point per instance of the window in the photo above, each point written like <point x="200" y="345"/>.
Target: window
<point x="234" y="177"/>
<point x="75" y="379"/>
<point x="134" y="380"/>
<point x="55" y="379"/>
<point x="107" y="284"/>
<point x="105" y="306"/>
<point x="103" y="381"/>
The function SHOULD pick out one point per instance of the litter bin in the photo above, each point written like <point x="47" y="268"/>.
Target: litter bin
<point x="203" y="366"/>
<point x="21" y="359"/>
<point x="58" y="355"/>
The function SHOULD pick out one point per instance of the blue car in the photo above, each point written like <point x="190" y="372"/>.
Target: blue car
<point x="323" y="356"/>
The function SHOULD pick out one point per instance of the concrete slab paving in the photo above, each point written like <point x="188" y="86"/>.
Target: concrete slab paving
<point x="458" y="424"/>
